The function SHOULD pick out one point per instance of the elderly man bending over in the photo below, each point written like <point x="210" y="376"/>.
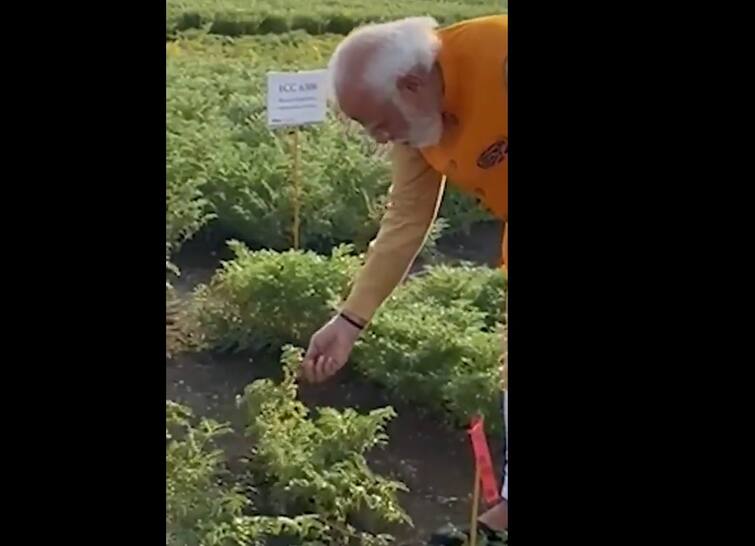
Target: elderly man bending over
<point x="440" y="96"/>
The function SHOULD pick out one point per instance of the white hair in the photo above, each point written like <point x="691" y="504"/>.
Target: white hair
<point x="401" y="46"/>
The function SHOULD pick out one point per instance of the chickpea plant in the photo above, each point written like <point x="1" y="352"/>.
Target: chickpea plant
<point x="316" y="463"/>
<point x="204" y="505"/>
<point x="266" y="299"/>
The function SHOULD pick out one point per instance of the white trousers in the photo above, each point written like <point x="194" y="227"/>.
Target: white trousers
<point x="505" y="410"/>
<point x="505" y="486"/>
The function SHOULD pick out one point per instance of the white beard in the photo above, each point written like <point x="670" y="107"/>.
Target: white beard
<point x="424" y="129"/>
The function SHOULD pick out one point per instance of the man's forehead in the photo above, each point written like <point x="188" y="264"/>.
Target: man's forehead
<point x="353" y="63"/>
<point x="356" y="101"/>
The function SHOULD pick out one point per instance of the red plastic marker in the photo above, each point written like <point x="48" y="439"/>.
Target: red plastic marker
<point x="483" y="461"/>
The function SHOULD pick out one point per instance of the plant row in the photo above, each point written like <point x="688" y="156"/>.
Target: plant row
<point x="435" y="342"/>
<point x="247" y="17"/>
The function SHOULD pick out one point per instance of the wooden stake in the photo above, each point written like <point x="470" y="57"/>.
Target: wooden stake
<point x="297" y="189"/>
<point x="475" y="506"/>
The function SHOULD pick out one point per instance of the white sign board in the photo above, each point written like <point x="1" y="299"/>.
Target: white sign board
<point x="296" y="98"/>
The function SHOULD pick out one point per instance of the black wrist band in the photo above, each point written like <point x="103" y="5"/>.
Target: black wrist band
<point x="351" y="321"/>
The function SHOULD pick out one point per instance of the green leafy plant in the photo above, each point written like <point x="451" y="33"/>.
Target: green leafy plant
<point x="430" y="253"/>
<point x="482" y="287"/>
<point x="239" y="17"/>
<point x="461" y="210"/>
<point x="343" y="182"/>
<point x="440" y="357"/>
<point x="219" y="145"/>
<point x="204" y="505"/>
<point x="267" y="298"/>
<point x="316" y="464"/>
<point x="187" y="209"/>
<point x="193" y="492"/>
<point x="437" y="341"/>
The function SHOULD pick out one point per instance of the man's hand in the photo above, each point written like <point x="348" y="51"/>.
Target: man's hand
<point x="329" y="349"/>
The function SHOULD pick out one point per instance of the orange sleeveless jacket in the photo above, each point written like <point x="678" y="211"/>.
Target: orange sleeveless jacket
<point x="473" y="151"/>
<point x="473" y="155"/>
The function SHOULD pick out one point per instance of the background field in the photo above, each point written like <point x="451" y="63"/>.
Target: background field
<point x="237" y="295"/>
<point x="239" y="17"/>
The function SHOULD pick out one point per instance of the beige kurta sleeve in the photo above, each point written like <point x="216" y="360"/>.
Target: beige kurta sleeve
<point x="414" y="198"/>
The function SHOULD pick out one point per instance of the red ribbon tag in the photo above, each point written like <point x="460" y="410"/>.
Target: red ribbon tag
<point x="484" y="462"/>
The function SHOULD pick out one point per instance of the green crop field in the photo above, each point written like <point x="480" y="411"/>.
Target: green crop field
<point x="239" y="17"/>
<point x="253" y="456"/>
<point x="220" y="147"/>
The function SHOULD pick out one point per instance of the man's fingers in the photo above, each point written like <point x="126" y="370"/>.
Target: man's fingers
<point x="331" y="366"/>
<point x="318" y="373"/>
<point x="311" y="351"/>
<point x="307" y="369"/>
<point x="325" y="367"/>
<point x="317" y="364"/>
<point x="308" y="362"/>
